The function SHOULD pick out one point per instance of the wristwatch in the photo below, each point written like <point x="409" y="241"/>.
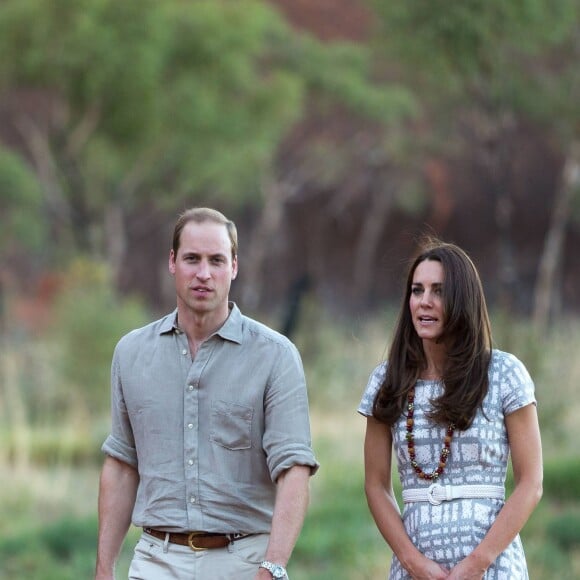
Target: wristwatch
<point x="276" y="570"/>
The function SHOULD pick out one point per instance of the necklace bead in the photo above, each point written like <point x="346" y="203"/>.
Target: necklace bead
<point x="410" y="437"/>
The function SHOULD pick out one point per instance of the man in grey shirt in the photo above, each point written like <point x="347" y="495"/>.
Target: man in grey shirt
<point x="209" y="450"/>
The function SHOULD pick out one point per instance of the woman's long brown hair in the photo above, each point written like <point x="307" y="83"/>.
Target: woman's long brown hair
<point x="467" y="336"/>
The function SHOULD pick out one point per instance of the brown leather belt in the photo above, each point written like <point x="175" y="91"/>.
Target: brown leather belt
<point x="197" y="540"/>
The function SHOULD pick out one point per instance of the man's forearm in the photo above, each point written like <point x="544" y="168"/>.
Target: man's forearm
<point x="117" y="492"/>
<point x="289" y="512"/>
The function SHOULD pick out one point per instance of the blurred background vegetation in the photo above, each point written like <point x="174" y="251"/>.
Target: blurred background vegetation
<point x="335" y="133"/>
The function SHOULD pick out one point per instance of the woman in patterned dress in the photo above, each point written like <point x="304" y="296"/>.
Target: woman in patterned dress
<point x="452" y="410"/>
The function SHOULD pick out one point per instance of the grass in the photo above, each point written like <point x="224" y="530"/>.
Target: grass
<point x="49" y="463"/>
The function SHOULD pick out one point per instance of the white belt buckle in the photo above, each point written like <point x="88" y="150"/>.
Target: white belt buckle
<point x="431" y="494"/>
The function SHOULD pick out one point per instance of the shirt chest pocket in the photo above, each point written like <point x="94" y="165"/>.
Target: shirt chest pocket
<point x="231" y="425"/>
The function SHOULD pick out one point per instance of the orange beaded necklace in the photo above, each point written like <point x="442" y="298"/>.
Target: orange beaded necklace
<point x="445" y="452"/>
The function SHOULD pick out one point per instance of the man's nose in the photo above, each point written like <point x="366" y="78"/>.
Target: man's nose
<point x="203" y="271"/>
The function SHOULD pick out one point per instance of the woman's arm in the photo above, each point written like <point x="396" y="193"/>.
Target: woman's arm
<point x="526" y="453"/>
<point x="383" y="504"/>
<point x="117" y="492"/>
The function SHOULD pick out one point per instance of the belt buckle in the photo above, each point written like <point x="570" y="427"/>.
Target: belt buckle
<point x="431" y="494"/>
<point x="190" y="543"/>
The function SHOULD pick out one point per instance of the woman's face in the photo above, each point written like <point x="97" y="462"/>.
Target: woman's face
<point x="426" y="300"/>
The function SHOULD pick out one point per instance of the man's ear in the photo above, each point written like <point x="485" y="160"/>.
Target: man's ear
<point x="234" y="268"/>
<point x="171" y="262"/>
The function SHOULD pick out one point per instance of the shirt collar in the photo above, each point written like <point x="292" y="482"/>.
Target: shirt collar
<point x="168" y="323"/>
<point x="231" y="329"/>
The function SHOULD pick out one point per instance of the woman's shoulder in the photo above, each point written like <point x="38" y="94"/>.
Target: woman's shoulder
<point x="509" y="375"/>
<point x="376" y="378"/>
<point x="380" y="371"/>
<point x="502" y="360"/>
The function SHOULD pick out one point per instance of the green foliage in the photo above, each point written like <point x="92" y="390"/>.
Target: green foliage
<point x="20" y="205"/>
<point x="564" y="530"/>
<point x="342" y="72"/>
<point x="89" y="322"/>
<point x="339" y="535"/>
<point x="472" y="36"/>
<point x="226" y="104"/>
<point x="60" y="551"/>
<point x="519" y="56"/>
<point x="412" y="199"/>
<point x="562" y="478"/>
<point x="47" y="446"/>
<point x="161" y="101"/>
<point x="41" y="539"/>
<point x="63" y="550"/>
<point x="547" y="558"/>
<point x="337" y="359"/>
<point x="96" y="53"/>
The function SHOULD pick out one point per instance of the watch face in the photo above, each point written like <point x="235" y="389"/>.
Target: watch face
<point x="278" y="572"/>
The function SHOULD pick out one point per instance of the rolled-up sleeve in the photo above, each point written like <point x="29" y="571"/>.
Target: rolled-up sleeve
<point x="120" y="443"/>
<point x="287" y="439"/>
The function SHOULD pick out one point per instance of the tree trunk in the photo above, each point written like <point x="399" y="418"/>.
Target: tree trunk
<point x="550" y="260"/>
<point x="265" y="233"/>
<point x="369" y="239"/>
<point x="58" y="208"/>
<point x="115" y="239"/>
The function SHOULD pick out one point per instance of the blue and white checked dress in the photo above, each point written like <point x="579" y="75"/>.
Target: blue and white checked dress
<point x="448" y="532"/>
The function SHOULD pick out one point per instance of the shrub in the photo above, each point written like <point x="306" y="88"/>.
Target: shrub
<point x="562" y="478"/>
<point x="564" y="530"/>
<point x="61" y="551"/>
<point x="90" y="320"/>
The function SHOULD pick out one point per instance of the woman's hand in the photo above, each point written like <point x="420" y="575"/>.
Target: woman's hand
<point x="467" y="569"/>
<point x="425" y="569"/>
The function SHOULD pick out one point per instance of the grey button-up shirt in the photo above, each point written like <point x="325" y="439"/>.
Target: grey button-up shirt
<point x="209" y="437"/>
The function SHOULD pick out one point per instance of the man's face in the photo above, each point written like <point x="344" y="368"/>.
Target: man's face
<point x="203" y="268"/>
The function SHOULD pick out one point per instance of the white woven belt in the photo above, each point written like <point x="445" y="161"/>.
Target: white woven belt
<point x="436" y="493"/>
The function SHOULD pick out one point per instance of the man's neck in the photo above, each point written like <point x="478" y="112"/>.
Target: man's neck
<point x="198" y="327"/>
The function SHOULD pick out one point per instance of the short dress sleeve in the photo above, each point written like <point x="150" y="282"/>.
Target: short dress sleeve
<point x="365" y="407"/>
<point x="516" y="385"/>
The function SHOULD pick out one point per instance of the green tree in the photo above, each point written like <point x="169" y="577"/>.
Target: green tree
<point x="155" y="102"/>
<point x="89" y="319"/>
<point x="493" y="63"/>
<point x="23" y="226"/>
<point x="23" y="230"/>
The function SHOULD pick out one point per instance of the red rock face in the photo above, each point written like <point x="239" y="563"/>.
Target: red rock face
<point x="328" y="19"/>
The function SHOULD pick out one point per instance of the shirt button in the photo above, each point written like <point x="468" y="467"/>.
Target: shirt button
<point x="190" y="387"/>
<point x="190" y="426"/>
<point x="184" y="351"/>
<point x="190" y="462"/>
<point x="192" y="500"/>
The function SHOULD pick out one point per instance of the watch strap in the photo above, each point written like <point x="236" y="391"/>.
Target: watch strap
<point x="274" y="568"/>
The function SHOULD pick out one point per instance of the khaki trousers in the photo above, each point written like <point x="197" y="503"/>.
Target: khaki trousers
<point x="155" y="559"/>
